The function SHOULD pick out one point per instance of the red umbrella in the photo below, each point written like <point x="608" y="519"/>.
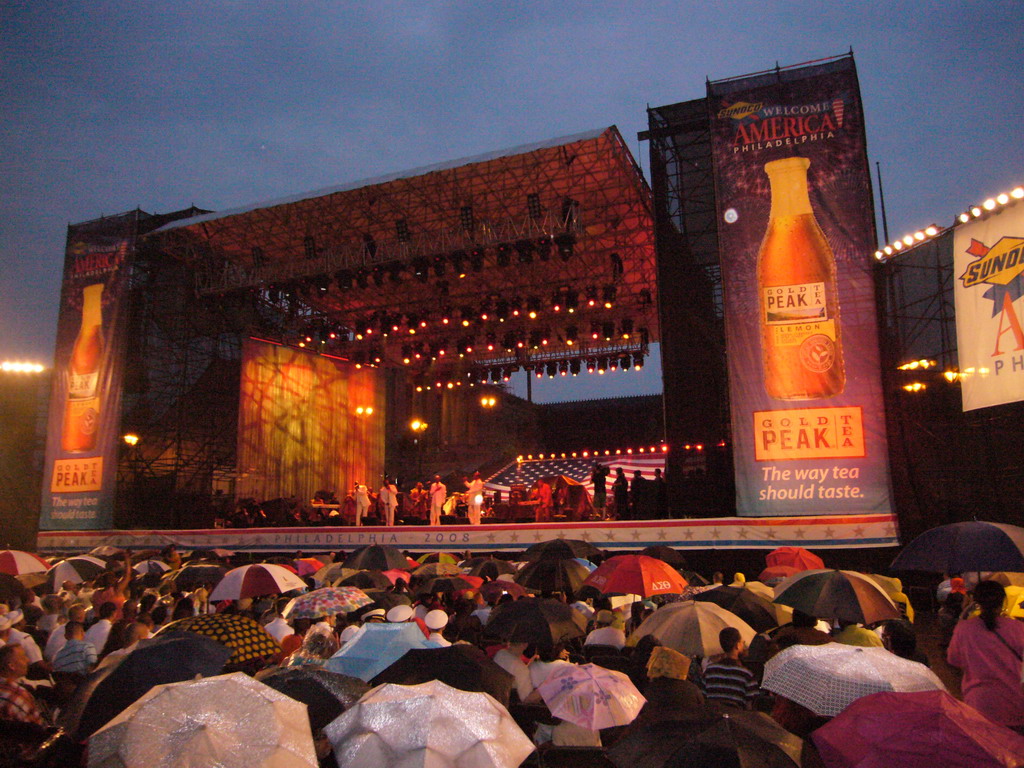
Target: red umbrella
<point x="636" y="575"/>
<point x="922" y="729"/>
<point x="307" y="566"/>
<point x="773" y="574"/>
<point x="253" y="580"/>
<point x="498" y="587"/>
<point x="15" y="562"/>
<point x="796" y="557"/>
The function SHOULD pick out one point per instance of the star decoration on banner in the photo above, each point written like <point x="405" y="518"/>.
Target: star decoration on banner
<point x="715" y="533"/>
<point x="561" y="534"/>
<point x="890" y="530"/>
<point x="490" y="537"/>
<point x="799" y="533"/>
<point x="636" y="535"/>
<point x="689" y="533"/>
<point x="662" y="535"/>
<point x="514" y="537"/>
<point x="859" y="531"/>
<point x="536" y="536"/>
<point x="585" y="536"/>
<point x="770" y="533"/>
<point x="742" y="533"/>
<point x="830" y="533"/>
<point x="610" y="535"/>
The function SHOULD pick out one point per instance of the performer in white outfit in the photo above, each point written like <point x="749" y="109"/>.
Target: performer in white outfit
<point x="362" y="497"/>
<point x="389" y="500"/>
<point x="476" y="497"/>
<point x="438" y="493"/>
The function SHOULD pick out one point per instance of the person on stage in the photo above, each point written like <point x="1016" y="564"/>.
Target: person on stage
<point x="389" y="501"/>
<point x="599" y="478"/>
<point x="362" y="497"/>
<point x="438" y="494"/>
<point x="544" y="501"/>
<point x="418" y="502"/>
<point x="620" y="492"/>
<point x="475" y="488"/>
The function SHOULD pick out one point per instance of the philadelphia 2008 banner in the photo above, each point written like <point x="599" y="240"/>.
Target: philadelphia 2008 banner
<point x="988" y="258"/>
<point x="82" y="442"/>
<point x="796" y="234"/>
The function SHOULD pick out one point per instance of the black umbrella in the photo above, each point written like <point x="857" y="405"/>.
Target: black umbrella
<point x="666" y="554"/>
<point x="735" y="740"/>
<point x="386" y="600"/>
<point x="561" y="549"/>
<point x="376" y="557"/>
<point x="536" y="620"/>
<point x="465" y="667"/>
<point x="366" y="580"/>
<point x="487" y="567"/>
<point x="752" y="608"/>
<point x="195" y="575"/>
<point x="445" y="584"/>
<point x="325" y="694"/>
<point x="694" y="579"/>
<point x="565" y="576"/>
<point x="963" y="547"/>
<point x="169" y="658"/>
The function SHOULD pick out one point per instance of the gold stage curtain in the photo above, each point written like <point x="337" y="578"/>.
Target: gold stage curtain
<point x="298" y="427"/>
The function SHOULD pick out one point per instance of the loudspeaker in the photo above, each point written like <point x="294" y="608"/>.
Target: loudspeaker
<point x="372" y="521"/>
<point x="413" y="521"/>
<point x="454" y="520"/>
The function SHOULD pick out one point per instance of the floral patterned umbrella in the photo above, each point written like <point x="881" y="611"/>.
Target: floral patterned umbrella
<point x="591" y="697"/>
<point x="326" y="602"/>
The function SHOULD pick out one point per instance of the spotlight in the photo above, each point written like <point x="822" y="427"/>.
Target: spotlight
<point x="624" y="362"/>
<point x="563" y="368"/>
<point x="309" y="246"/>
<point x="552" y="369"/>
<point x="504" y="255"/>
<point x="591" y="297"/>
<point x="565" y="244"/>
<point x="344" y="278"/>
<point x="591" y="366"/>
<point x="476" y="259"/>
<point x="574" y="367"/>
<point x="544" y="245"/>
<point x="402" y="230"/>
<point x="609" y="296"/>
<point x="363" y="278"/>
<point x="607" y="331"/>
<point x="627" y="327"/>
<point x="458" y="260"/>
<point x="533" y="208"/>
<point x="571" y="335"/>
<point x="638" y="361"/>
<point x="439" y="266"/>
<point x="525" y="250"/>
<point x="466" y="217"/>
<point x="421" y="268"/>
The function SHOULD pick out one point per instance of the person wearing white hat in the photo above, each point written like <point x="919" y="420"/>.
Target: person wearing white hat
<point x="399" y="614"/>
<point x="375" y="615"/>
<point x="24" y="639"/>
<point x="436" y="621"/>
<point x="348" y="633"/>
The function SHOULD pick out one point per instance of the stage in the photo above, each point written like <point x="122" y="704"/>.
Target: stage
<point x="818" y="532"/>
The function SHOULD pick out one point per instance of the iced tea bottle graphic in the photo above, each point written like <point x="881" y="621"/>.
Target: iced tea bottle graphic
<point x="82" y="408"/>
<point x="801" y="344"/>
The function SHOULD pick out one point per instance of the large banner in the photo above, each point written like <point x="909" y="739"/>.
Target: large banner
<point x="796" y="236"/>
<point x="83" y="436"/>
<point x="988" y="256"/>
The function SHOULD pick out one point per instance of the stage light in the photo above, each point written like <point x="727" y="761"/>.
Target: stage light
<point x="571" y="335"/>
<point x="534" y="339"/>
<point x="11" y="366"/>
<point x="466" y="218"/>
<point x="563" y="368"/>
<point x="544" y="245"/>
<point x="976" y="211"/>
<point x="964" y="218"/>
<point x="916" y="386"/>
<point x="591" y="366"/>
<point x="131" y="439"/>
<point x="591" y="297"/>
<point x="551" y="369"/>
<point x="574" y="367"/>
<point x="539" y="373"/>
<point x="418" y="425"/>
<point x="951" y="376"/>
<point x="565" y="244"/>
<point x="931" y="231"/>
<point x="525" y="250"/>
<point x="533" y="209"/>
<point x="627" y="327"/>
<point x="595" y="330"/>
<point x="609" y="296"/>
<point x="572" y="301"/>
<point x="1017" y="193"/>
<point x="476" y="259"/>
<point x="638" y="361"/>
<point x="344" y="279"/>
<point x="624" y="362"/>
<point x="602" y="364"/>
<point x="504" y="255"/>
<point x="458" y="260"/>
<point x="618" y="269"/>
<point x="607" y="331"/>
<point x="421" y="268"/>
<point x="989" y="205"/>
<point x="402" y="230"/>
<point x="556" y="302"/>
<point x="613" y="363"/>
<point x="439" y="266"/>
<point x="491" y="340"/>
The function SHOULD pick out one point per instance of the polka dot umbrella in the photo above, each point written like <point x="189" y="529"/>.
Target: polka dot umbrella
<point x="244" y="636"/>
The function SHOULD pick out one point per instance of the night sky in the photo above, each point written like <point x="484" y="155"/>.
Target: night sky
<point x="108" y="106"/>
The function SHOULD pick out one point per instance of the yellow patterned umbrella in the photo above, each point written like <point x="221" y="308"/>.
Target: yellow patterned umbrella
<point x="244" y="636"/>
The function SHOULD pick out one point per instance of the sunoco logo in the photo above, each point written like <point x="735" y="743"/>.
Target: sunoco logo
<point x="741" y="109"/>
<point x="997" y="265"/>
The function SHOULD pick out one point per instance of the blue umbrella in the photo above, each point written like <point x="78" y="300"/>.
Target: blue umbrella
<point x="963" y="547"/>
<point x="375" y="647"/>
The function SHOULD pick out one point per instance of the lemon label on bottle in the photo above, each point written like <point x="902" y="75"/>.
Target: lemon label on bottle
<point x="788" y="304"/>
<point x="82" y="385"/>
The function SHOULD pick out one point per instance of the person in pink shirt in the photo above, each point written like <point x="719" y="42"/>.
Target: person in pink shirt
<point x="989" y="649"/>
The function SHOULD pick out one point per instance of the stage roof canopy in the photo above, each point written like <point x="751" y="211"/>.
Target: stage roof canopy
<point x="539" y="255"/>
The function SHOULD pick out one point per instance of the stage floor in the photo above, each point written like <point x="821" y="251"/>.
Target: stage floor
<point x="818" y="532"/>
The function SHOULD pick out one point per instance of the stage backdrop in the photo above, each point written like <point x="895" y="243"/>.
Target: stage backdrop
<point x="988" y="258"/>
<point x="796" y="237"/>
<point x="83" y="435"/>
<point x="298" y="428"/>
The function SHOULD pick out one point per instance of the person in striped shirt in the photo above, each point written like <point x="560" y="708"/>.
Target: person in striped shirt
<point x="77" y="656"/>
<point x="726" y="680"/>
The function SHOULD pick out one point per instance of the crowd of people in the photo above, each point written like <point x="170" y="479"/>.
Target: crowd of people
<point x="53" y="637"/>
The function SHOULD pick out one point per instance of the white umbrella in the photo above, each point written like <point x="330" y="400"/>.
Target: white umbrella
<point x="692" y="627"/>
<point x="214" y="722"/>
<point x="255" y="580"/>
<point x="75" y="570"/>
<point x="430" y="725"/>
<point x="827" y="678"/>
<point x="151" y="566"/>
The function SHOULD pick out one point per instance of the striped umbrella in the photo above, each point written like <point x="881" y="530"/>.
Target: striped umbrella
<point x="254" y="580"/>
<point x="15" y="562"/>
<point x="328" y="601"/>
<point x="75" y="570"/>
<point x="834" y="594"/>
<point x="244" y="636"/>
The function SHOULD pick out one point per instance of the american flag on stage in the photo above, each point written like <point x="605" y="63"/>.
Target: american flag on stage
<point x="527" y="472"/>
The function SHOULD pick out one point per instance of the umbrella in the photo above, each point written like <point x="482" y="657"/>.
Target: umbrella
<point x="394" y="574"/>
<point x="916" y="730"/>
<point x="196" y="574"/>
<point x="224" y="721"/>
<point x="256" y="580"/>
<point x="328" y="601"/>
<point x="151" y="566"/>
<point x="775" y="574"/>
<point x="561" y="549"/>
<point x="636" y="575"/>
<point x="692" y="628"/>
<point x="375" y="647"/>
<point x="741" y="739"/>
<point x="783" y="613"/>
<point x="591" y="697"/>
<point x="449" y="585"/>
<point x="666" y="554"/>
<point x="832" y="594"/>
<point x="961" y="547"/>
<point x="15" y="562"/>
<point x="75" y="570"/>
<point x="827" y="678"/>
<point x="366" y="580"/>
<point x="754" y="609"/>
<point x="492" y="590"/>
<point x="377" y="557"/>
<point x="10" y="588"/>
<point x="333" y="572"/>
<point x="536" y="620"/>
<point x="433" y="570"/>
<point x="325" y="694"/>
<point x="794" y="557"/>
<point x="246" y="637"/>
<point x="387" y="600"/>
<point x="169" y="658"/>
<point x="465" y="667"/>
<point x="437" y="557"/>
<point x="307" y="566"/>
<point x="552" y="575"/>
<point x="487" y="567"/>
<point x="431" y="724"/>
<point x="106" y="550"/>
